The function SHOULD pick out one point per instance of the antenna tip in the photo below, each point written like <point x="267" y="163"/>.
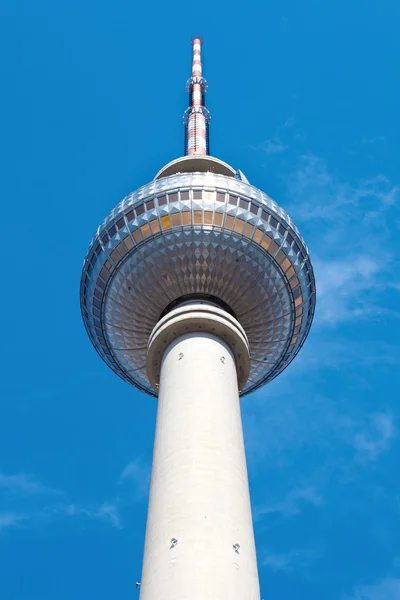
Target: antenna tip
<point x="196" y="40"/>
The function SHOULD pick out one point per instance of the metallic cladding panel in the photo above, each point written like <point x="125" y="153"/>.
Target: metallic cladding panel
<point x="204" y="233"/>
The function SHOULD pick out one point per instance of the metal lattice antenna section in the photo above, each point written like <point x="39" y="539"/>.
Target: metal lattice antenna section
<point x="196" y="117"/>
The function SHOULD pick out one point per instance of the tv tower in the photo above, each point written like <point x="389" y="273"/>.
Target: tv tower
<point x="197" y="289"/>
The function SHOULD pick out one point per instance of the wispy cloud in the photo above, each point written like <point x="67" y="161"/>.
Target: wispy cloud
<point x="320" y="195"/>
<point x="106" y="512"/>
<point x="292" y="504"/>
<point x="375" y="438"/>
<point x="290" y="122"/>
<point x="289" y="561"/>
<point x="385" y="589"/>
<point x="40" y="504"/>
<point x="136" y="475"/>
<point x="349" y="238"/>
<point x="11" y="519"/>
<point x="25" y="484"/>
<point x="272" y="146"/>
<point x="376" y="139"/>
<point x="345" y="287"/>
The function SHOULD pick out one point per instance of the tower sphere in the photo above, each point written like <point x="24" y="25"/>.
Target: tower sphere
<point x="198" y="230"/>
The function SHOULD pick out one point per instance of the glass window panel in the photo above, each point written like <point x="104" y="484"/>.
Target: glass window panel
<point x="120" y="223"/>
<point x="104" y="238"/>
<point x="243" y="203"/>
<point x="220" y="197"/>
<point x="273" y="248"/>
<point x="96" y="312"/>
<point x="186" y="218"/>
<point x="115" y="256"/>
<point x="197" y="217"/>
<point x="294" y="340"/>
<point x="140" y="210"/>
<point x="98" y="250"/>
<point x="96" y="303"/>
<point x="161" y="201"/>
<point x="289" y="238"/>
<point x="264" y="215"/>
<point x="280" y="256"/>
<point x="145" y="229"/>
<point x="298" y="321"/>
<point x="294" y="282"/>
<point x="107" y="264"/>
<point x="253" y="209"/>
<point x="297" y="292"/>
<point x="218" y="219"/>
<point x="128" y="242"/>
<point x="130" y="216"/>
<point x="208" y="215"/>
<point x="239" y="225"/>
<point x="173" y="197"/>
<point x="155" y="226"/>
<point x="185" y="195"/>
<point x="286" y="264"/>
<point x="296" y="248"/>
<point x="258" y="235"/>
<point x="296" y="331"/>
<point x="176" y="219"/>
<point x="121" y="249"/>
<point x="209" y="196"/>
<point x="248" y="230"/>
<point x="290" y="273"/>
<point x="273" y="222"/>
<point x="299" y="311"/>
<point x="298" y="301"/>
<point x="112" y="231"/>
<point x="232" y="200"/>
<point x="150" y="205"/>
<point x="266" y="242"/>
<point x="98" y="294"/>
<point x="136" y="236"/>
<point x="282" y="228"/>
<point x="197" y="194"/>
<point x="229" y="221"/>
<point x="165" y="222"/>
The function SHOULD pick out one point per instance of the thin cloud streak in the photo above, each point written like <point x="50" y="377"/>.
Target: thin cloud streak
<point x="385" y="589"/>
<point x="25" y="484"/>
<point x="9" y="520"/>
<point x="290" y="561"/>
<point x="292" y="504"/>
<point x="268" y="147"/>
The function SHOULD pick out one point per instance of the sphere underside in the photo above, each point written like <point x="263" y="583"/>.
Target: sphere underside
<point x="197" y="233"/>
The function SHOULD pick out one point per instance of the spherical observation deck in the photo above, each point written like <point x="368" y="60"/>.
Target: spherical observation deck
<point x="197" y="231"/>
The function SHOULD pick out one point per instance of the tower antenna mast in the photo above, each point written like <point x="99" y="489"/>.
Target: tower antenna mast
<point x="196" y="117"/>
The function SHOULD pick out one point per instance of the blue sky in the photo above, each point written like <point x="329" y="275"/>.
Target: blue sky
<point x="304" y="99"/>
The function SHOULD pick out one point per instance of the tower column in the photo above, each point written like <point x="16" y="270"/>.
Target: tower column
<point x="199" y="537"/>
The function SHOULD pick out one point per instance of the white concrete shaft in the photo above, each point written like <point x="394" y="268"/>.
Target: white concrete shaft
<point x="199" y="538"/>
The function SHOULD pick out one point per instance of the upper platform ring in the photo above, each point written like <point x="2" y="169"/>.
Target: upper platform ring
<point x="197" y="233"/>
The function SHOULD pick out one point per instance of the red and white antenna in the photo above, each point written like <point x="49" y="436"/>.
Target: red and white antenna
<point x="196" y="117"/>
